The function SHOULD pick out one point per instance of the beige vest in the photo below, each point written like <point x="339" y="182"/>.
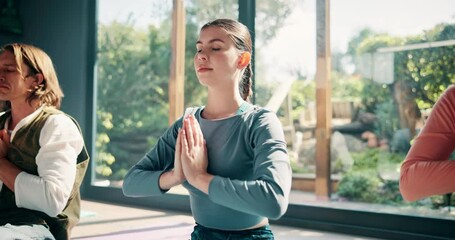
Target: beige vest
<point x="22" y="152"/>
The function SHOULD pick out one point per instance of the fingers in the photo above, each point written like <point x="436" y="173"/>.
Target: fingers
<point x="199" y="138"/>
<point x="189" y="132"/>
<point x="177" y="142"/>
<point x="184" y="143"/>
<point x="178" y="148"/>
<point x="194" y="132"/>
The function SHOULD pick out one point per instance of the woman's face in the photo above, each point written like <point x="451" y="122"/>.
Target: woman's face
<point x="217" y="59"/>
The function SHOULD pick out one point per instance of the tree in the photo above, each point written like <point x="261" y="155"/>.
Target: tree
<point x="429" y="71"/>
<point x="423" y="73"/>
<point x="131" y="90"/>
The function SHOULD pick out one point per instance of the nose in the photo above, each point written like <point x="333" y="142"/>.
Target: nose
<point x="201" y="56"/>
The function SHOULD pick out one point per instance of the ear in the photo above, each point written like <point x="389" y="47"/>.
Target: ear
<point x="244" y="59"/>
<point x="38" y="79"/>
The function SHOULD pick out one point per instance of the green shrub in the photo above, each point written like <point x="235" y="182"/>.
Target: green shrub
<point x="360" y="186"/>
<point x="364" y="182"/>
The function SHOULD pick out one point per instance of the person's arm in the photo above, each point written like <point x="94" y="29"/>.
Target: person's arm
<point x="426" y="169"/>
<point x="154" y="174"/>
<point x="60" y="142"/>
<point x="268" y="194"/>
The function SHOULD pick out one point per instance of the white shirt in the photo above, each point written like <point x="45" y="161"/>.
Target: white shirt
<point x="61" y="142"/>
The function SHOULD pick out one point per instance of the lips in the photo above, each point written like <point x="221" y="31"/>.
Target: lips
<point x="204" y="69"/>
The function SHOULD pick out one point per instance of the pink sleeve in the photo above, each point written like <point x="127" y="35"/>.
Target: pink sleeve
<point x="426" y="170"/>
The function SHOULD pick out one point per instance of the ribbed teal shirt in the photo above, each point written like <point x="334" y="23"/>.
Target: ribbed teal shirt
<point x="247" y="154"/>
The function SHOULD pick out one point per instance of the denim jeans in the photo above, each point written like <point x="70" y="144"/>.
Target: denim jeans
<point x="35" y="232"/>
<point x="204" y="233"/>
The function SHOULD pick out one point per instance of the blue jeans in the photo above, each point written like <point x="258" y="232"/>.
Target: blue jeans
<point x="35" y="232"/>
<point x="204" y="233"/>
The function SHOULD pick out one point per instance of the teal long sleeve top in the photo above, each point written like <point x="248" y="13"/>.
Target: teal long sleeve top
<point x="247" y="154"/>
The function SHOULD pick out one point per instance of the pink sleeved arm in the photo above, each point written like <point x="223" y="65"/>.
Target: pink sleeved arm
<point x="426" y="170"/>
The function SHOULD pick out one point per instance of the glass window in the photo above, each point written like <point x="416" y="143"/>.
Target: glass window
<point x="285" y="78"/>
<point x="386" y="74"/>
<point x="285" y="69"/>
<point x="134" y="51"/>
<point x="132" y="84"/>
<point x="385" y="78"/>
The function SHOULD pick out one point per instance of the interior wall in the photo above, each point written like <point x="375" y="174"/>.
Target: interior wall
<point x="60" y="28"/>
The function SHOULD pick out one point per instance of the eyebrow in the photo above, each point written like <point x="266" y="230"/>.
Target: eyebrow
<point x="211" y="41"/>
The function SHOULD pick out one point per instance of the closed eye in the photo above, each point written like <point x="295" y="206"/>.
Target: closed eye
<point x="8" y="70"/>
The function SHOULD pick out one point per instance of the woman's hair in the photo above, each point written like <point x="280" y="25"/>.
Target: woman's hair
<point x="241" y="37"/>
<point x="48" y="92"/>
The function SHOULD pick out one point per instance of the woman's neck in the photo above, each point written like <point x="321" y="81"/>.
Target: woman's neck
<point x="219" y="107"/>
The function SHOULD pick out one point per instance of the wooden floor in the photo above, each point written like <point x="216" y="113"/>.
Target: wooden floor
<point x="103" y="221"/>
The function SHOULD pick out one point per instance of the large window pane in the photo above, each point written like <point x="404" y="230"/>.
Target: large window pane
<point x="385" y="78"/>
<point x="285" y="69"/>
<point x="285" y="78"/>
<point x="132" y="78"/>
<point x="132" y="84"/>
<point x="382" y="67"/>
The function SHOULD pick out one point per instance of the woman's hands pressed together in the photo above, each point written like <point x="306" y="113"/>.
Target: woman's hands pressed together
<point x="193" y="154"/>
<point x="175" y="176"/>
<point x="178" y="171"/>
<point x="190" y="159"/>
